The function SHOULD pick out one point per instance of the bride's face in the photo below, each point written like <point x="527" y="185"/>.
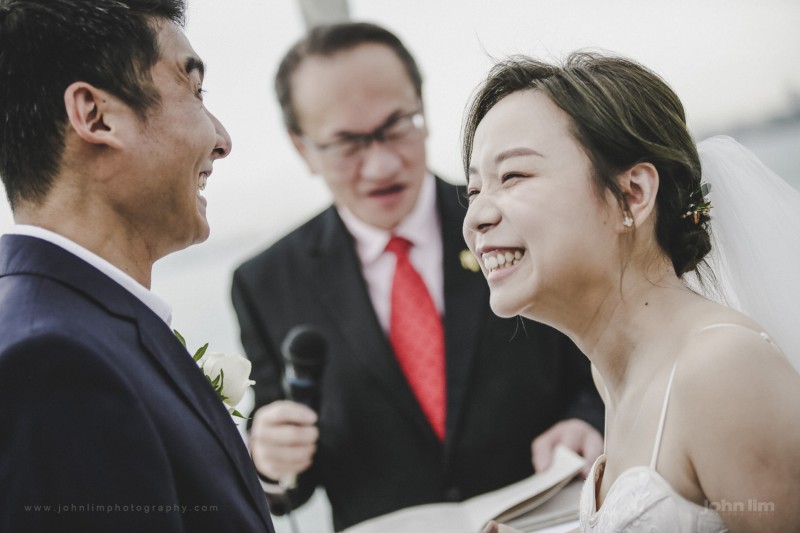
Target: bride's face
<point x="535" y="222"/>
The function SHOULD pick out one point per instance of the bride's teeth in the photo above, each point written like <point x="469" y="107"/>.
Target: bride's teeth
<point x="201" y="184"/>
<point x="497" y="259"/>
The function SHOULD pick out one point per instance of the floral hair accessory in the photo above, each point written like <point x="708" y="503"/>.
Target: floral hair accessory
<point x="228" y="374"/>
<point x="699" y="206"/>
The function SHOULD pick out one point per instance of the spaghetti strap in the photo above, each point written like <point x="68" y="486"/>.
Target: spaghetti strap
<point x="729" y="324"/>
<point x="662" y="421"/>
<point x="605" y="420"/>
<point x="660" y="433"/>
<point x="764" y="336"/>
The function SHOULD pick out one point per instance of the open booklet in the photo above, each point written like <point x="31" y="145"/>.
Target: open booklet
<point x="520" y="505"/>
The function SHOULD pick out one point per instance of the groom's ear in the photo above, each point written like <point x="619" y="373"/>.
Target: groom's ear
<point x="95" y="115"/>
<point x="639" y="185"/>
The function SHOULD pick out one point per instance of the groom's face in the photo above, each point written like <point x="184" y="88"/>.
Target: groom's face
<point x="340" y="101"/>
<point x="174" y="151"/>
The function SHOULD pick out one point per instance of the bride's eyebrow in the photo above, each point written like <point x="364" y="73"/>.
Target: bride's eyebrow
<point x="520" y="151"/>
<point x="515" y="152"/>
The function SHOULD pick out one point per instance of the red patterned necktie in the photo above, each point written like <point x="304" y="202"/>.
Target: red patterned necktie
<point x="417" y="335"/>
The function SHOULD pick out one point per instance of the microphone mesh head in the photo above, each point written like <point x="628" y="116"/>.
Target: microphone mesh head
<point x="306" y="350"/>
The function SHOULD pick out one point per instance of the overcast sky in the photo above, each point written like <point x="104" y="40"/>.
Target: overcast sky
<point x="730" y="61"/>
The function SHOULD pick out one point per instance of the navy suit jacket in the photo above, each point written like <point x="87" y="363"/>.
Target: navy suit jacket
<point x="106" y="423"/>
<point x="508" y="380"/>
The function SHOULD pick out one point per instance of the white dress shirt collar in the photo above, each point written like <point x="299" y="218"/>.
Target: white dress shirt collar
<point x="423" y="228"/>
<point x="150" y="299"/>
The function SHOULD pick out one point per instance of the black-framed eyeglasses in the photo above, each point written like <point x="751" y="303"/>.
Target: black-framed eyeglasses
<point x="349" y="147"/>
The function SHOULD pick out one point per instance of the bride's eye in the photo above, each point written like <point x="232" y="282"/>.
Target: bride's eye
<point x="511" y="175"/>
<point x="470" y="193"/>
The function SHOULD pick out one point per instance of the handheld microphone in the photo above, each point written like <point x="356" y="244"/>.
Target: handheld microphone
<point x="305" y="353"/>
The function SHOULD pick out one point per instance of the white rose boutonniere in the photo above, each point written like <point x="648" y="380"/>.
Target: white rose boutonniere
<point x="228" y="374"/>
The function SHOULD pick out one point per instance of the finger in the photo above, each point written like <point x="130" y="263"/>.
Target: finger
<point x="284" y="412"/>
<point x="291" y="459"/>
<point x="593" y="446"/>
<point x="276" y="461"/>
<point x="573" y="435"/>
<point x="494" y="527"/>
<point x="542" y="449"/>
<point x="285" y="435"/>
<point x="277" y="470"/>
<point x="491" y="527"/>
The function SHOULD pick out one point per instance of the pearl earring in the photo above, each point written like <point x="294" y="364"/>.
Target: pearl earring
<point x="627" y="222"/>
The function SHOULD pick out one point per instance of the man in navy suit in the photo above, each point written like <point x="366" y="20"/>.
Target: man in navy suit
<point x="105" y="145"/>
<point x="351" y="96"/>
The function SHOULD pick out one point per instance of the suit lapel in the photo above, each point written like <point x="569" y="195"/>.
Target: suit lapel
<point x="28" y="255"/>
<point x="465" y="296"/>
<point x="335" y="274"/>
<point x="164" y="347"/>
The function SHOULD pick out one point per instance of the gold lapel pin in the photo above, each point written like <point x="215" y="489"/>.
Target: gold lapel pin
<point x="469" y="261"/>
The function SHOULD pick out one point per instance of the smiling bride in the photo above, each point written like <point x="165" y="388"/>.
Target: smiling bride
<point x="587" y="212"/>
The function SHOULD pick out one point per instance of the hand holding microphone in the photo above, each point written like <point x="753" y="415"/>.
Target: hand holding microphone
<point x="284" y="433"/>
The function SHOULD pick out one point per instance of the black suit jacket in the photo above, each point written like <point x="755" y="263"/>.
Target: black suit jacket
<point x="107" y="423"/>
<point x="508" y="380"/>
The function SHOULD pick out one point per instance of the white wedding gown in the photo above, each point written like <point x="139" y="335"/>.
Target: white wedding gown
<point x="641" y="500"/>
<point x="755" y="223"/>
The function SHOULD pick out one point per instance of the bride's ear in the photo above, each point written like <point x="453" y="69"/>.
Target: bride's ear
<point x="639" y="185"/>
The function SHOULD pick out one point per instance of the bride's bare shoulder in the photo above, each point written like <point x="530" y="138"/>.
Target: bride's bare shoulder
<point x="730" y="351"/>
<point x="735" y="405"/>
<point x="728" y="362"/>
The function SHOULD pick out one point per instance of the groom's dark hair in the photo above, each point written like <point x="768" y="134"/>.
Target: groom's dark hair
<point x="46" y="45"/>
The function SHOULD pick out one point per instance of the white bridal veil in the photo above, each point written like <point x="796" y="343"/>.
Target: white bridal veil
<point x="755" y="227"/>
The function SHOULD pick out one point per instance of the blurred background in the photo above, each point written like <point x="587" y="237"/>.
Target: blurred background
<point x="734" y="63"/>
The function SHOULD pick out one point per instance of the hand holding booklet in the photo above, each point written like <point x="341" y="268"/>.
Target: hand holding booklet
<point x="520" y="505"/>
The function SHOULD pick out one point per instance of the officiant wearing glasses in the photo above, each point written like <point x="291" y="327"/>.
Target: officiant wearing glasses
<point x="427" y="396"/>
